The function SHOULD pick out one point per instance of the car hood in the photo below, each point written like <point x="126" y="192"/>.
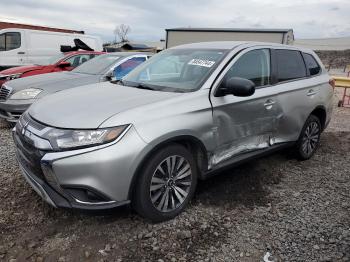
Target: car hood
<point x="53" y="82"/>
<point x="21" y="69"/>
<point x="87" y="107"/>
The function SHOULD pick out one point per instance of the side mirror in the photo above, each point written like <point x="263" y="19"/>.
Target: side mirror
<point x="109" y="76"/>
<point x="64" y="64"/>
<point x="236" y="86"/>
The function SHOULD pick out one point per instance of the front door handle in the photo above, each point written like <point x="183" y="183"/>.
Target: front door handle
<point x="311" y="92"/>
<point x="269" y="103"/>
<point x="21" y="53"/>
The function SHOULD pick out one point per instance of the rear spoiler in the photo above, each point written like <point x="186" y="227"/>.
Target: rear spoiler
<point x="78" y="45"/>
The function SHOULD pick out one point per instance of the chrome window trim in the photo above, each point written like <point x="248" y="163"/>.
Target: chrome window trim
<point x="234" y="56"/>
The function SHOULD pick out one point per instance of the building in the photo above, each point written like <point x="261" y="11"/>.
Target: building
<point x="5" y="25"/>
<point x="155" y="46"/>
<point x="179" y="36"/>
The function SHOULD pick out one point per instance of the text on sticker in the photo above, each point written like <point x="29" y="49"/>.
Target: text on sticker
<point x="200" y="62"/>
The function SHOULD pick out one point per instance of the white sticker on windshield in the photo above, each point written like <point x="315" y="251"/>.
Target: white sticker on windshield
<point x="200" y="62"/>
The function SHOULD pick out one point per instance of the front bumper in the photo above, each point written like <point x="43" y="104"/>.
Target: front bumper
<point x="105" y="170"/>
<point x="11" y="110"/>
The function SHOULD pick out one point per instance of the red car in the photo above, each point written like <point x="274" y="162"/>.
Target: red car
<point x="62" y="62"/>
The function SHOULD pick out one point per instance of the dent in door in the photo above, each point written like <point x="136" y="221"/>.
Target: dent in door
<point x="242" y="137"/>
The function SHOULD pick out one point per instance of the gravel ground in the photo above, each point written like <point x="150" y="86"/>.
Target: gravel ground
<point x="296" y="211"/>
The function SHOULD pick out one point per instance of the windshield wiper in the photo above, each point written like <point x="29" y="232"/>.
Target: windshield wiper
<point x="143" y="86"/>
<point x="117" y="82"/>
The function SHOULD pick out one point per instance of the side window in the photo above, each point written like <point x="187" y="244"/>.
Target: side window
<point x="126" y="67"/>
<point x="311" y="64"/>
<point x="2" y="42"/>
<point x="10" y="41"/>
<point x="253" y="65"/>
<point x="77" y="60"/>
<point x="290" y="65"/>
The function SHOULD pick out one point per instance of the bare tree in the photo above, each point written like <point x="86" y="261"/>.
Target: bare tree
<point x="121" y="32"/>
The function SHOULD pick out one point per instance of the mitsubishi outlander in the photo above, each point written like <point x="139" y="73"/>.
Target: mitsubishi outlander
<point x="181" y="116"/>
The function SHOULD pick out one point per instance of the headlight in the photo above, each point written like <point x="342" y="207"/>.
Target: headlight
<point x="10" y="77"/>
<point x="29" y="93"/>
<point x="74" y="139"/>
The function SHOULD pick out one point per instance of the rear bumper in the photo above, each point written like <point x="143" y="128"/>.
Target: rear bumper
<point x="11" y="110"/>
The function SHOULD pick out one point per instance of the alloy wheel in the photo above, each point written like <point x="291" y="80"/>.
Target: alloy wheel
<point x="170" y="183"/>
<point x="311" y="138"/>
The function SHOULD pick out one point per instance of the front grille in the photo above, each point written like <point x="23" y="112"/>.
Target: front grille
<point x="3" y="113"/>
<point x="4" y="93"/>
<point x="28" y="155"/>
<point x="26" y="119"/>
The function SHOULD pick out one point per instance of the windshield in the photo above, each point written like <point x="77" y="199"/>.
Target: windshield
<point x="53" y="60"/>
<point x="177" y="70"/>
<point x="98" y="65"/>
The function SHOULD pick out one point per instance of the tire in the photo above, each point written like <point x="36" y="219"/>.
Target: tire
<point x="309" y="138"/>
<point x="158" y="196"/>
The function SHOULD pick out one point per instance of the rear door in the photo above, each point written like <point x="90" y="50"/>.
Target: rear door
<point x="298" y="92"/>
<point x="245" y="124"/>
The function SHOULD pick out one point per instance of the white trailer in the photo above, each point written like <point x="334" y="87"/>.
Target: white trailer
<point x="25" y="47"/>
<point x="180" y="36"/>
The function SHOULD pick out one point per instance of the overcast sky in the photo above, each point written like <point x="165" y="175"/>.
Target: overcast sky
<point x="149" y="18"/>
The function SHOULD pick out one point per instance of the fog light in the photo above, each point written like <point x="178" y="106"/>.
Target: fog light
<point x="50" y="177"/>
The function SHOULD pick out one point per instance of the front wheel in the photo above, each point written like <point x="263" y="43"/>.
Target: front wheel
<point x="166" y="184"/>
<point x="309" y="138"/>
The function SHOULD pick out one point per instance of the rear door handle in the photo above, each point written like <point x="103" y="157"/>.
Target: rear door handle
<point x="269" y="103"/>
<point x="311" y="92"/>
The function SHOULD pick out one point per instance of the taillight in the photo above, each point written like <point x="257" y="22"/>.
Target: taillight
<point x="332" y="82"/>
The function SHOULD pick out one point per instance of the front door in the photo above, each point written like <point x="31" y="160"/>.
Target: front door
<point x="12" y="51"/>
<point x="245" y="124"/>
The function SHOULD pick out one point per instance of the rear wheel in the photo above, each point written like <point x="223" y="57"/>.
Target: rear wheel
<point x="309" y="138"/>
<point x="166" y="185"/>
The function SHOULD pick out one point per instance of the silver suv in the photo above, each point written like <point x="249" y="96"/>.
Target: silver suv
<point x="183" y="115"/>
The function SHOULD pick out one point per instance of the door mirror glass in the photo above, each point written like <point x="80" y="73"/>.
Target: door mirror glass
<point x="64" y="64"/>
<point x="237" y="86"/>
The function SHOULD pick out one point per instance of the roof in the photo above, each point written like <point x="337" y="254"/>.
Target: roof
<point x="122" y="54"/>
<point x="5" y="25"/>
<point x="251" y="30"/>
<point x="228" y="45"/>
<point x="83" y="52"/>
<point x="133" y="46"/>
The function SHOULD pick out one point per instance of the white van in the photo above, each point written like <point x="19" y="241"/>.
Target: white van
<point x="26" y="47"/>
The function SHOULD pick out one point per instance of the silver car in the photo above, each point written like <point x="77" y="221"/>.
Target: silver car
<point x="181" y="116"/>
<point x="17" y="95"/>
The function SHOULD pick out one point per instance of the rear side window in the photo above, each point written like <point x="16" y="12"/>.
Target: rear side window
<point x="10" y="41"/>
<point x="290" y="65"/>
<point x="253" y="65"/>
<point x="311" y="64"/>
